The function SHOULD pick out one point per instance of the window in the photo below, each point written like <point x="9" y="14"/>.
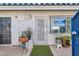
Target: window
<point x="59" y="25"/>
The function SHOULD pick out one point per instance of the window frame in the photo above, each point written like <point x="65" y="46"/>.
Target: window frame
<point x="57" y="17"/>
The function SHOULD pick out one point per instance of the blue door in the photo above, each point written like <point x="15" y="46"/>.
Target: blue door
<point x="75" y="35"/>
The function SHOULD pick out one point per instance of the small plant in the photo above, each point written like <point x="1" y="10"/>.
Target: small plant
<point x="58" y="40"/>
<point x="69" y="37"/>
<point x="26" y="35"/>
<point x="23" y="39"/>
<point x="22" y="36"/>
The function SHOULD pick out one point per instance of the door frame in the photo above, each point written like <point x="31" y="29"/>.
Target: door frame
<point x="46" y="26"/>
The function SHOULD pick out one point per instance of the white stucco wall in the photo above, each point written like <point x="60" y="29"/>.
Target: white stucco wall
<point x="17" y="24"/>
<point x="20" y="23"/>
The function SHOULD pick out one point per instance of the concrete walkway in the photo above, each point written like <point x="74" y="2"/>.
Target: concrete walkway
<point x="18" y="51"/>
<point x="61" y="51"/>
<point x="14" y="51"/>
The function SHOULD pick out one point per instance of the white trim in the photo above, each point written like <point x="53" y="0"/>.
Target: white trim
<point x="39" y="7"/>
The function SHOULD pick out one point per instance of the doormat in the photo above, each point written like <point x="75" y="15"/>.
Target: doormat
<point x="41" y="50"/>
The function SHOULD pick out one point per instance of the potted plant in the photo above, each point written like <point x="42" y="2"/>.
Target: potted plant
<point x="58" y="42"/>
<point x="23" y="38"/>
<point x="68" y="40"/>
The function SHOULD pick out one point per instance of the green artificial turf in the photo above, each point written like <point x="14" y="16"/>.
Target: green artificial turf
<point x="41" y="50"/>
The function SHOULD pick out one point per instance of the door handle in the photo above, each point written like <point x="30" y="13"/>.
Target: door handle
<point x="74" y="32"/>
<point x="45" y="30"/>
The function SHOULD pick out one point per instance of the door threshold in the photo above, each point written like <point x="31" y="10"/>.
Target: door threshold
<point x="5" y="44"/>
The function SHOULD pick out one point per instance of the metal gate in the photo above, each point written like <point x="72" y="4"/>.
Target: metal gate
<point x="5" y="30"/>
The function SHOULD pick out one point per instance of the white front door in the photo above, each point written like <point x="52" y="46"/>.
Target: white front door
<point x="40" y="30"/>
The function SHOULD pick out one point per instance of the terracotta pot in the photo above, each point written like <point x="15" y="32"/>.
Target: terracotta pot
<point x="23" y="39"/>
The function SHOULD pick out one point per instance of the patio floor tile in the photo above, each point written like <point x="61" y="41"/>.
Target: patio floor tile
<point x="12" y="51"/>
<point x="61" y="51"/>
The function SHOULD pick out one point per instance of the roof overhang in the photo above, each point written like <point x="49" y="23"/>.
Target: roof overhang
<point x="39" y="7"/>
